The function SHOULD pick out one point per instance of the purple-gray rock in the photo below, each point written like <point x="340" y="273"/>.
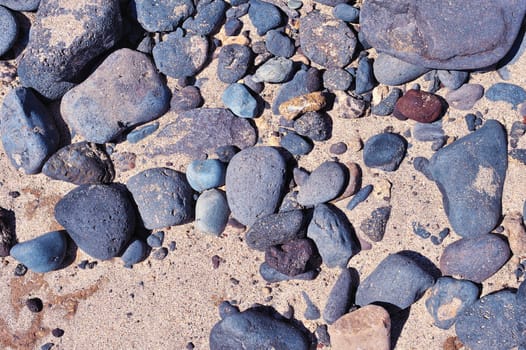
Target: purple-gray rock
<point x="210" y="15"/>
<point x="7" y="231"/>
<point x="292" y="258"/>
<point x="163" y="15"/>
<point x="21" y="5"/>
<point x="390" y="70"/>
<point x="264" y="16"/>
<point x="364" y="81"/>
<point x="272" y="275"/>
<point x="441" y="34"/>
<point x="8" y="30"/>
<point x="325" y="183"/>
<point x="304" y="82"/>
<point x="465" y="97"/>
<point x="279" y="44"/>
<point x="384" y="151"/>
<point x="340" y="298"/>
<point x="233" y="62"/>
<point x="374" y="226"/>
<point x="297" y="145"/>
<point x="314" y="125"/>
<point x="337" y="79"/>
<point x="185" y="99"/>
<point x="276" y="229"/>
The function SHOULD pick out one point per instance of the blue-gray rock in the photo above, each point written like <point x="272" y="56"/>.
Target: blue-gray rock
<point x="319" y="32"/>
<point x="359" y="197"/>
<point x="99" y="218"/>
<point x="233" y="26"/>
<point x="205" y="174"/>
<point x="53" y="64"/>
<point x="255" y="180"/>
<point x="428" y="131"/>
<point x="340" y="298"/>
<point x="238" y="2"/>
<point x="252" y="329"/>
<point x="8" y="30"/>
<point x="374" y="226"/>
<point x="452" y="79"/>
<point x="155" y="240"/>
<point x="240" y="101"/>
<point x="421" y="164"/>
<point x="264" y="16"/>
<point x="134" y="253"/>
<point x="80" y="163"/>
<point x="185" y="99"/>
<point x="314" y="125"/>
<point x="396" y="28"/>
<point x="290" y="202"/>
<point x="142" y="132"/>
<point x="346" y="12"/>
<point x="42" y="254"/>
<point x="312" y="312"/>
<point x="470" y="175"/>
<point x="387" y="105"/>
<point x="146" y="45"/>
<point x="449" y="297"/>
<point x="127" y="79"/>
<point x="275" y="70"/>
<point x="390" y="70"/>
<point x="364" y="80"/>
<point x="28" y="130"/>
<point x="233" y="62"/>
<point x="272" y="275"/>
<point x="465" y="97"/>
<point x="279" y="44"/>
<point x="471" y="120"/>
<point x="181" y="56"/>
<point x="237" y="11"/>
<point x="21" y="5"/>
<point x="304" y="82"/>
<point x="333" y="235"/>
<point x="163" y="196"/>
<point x="325" y="183"/>
<point x="211" y="212"/>
<point x="475" y="259"/>
<point x="398" y="280"/>
<point x="490" y="323"/>
<point x="210" y="15"/>
<point x="510" y="93"/>
<point x="337" y="79"/>
<point x="225" y="153"/>
<point x="521" y="310"/>
<point x="163" y="15"/>
<point x="518" y="154"/>
<point x="384" y="151"/>
<point x="332" y="2"/>
<point x="276" y="229"/>
<point x="296" y="144"/>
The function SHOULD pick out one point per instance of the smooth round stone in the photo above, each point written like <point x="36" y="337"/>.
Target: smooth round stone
<point x="294" y="4"/>
<point x="264" y="16"/>
<point x="163" y="15"/>
<point x="337" y="79"/>
<point x="338" y="148"/>
<point x="155" y="240"/>
<point x="233" y="26"/>
<point x="449" y="297"/>
<point x="339" y="299"/>
<point x="21" y="5"/>
<point x="465" y="97"/>
<point x="185" y="99"/>
<point x="210" y="15"/>
<point x="296" y="144"/>
<point x="99" y="218"/>
<point x="255" y="180"/>
<point x="42" y="254"/>
<point x="314" y="125"/>
<point x="8" y="30"/>
<point x="365" y="80"/>
<point x="163" y="196"/>
<point x="325" y="183"/>
<point x="421" y="106"/>
<point x="136" y="252"/>
<point x="384" y="151"/>
<point x="276" y="229"/>
<point x="240" y="101"/>
<point x="452" y="79"/>
<point x="510" y="93"/>
<point x="275" y="70"/>
<point x="205" y="174"/>
<point x="475" y="259"/>
<point x="346" y="13"/>
<point x="211" y="212"/>
<point x="390" y="70"/>
<point x="279" y="44"/>
<point x="233" y="62"/>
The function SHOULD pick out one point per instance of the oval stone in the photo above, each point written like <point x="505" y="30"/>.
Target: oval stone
<point x="424" y="107"/>
<point x="42" y="254"/>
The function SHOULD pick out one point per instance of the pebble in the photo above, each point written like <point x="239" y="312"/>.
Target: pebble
<point x="162" y="16"/>
<point x="264" y="16"/>
<point x="20" y="270"/>
<point x="279" y="44"/>
<point x="205" y="174"/>
<point x="296" y="144"/>
<point x="163" y="196"/>
<point x="209" y="17"/>
<point x="201" y="131"/>
<point x="475" y="166"/>
<point x="304" y="82"/>
<point x="359" y="197"/>
<point x="233" y="62"/>
<point x="398" y="280"/>
<point x="322" y="334"/>
<point x="35" y="305"/>
<point x="160" y="254"/>
<point x="21" y="5"/>
<point x="134" y="253"/>
<point x="47" y="346"/>
<point x="237" y="11"/>
<point x="340" y="298"/>
<point x="99" y="218"/>
<point x="516" y="233"/>
<point x="441" y="236"/>
<point x="275" y="70"/>
<point x="387" y="105"/>
<point x="28" y="130"/>
<point x="338" y="148"/>
<point x="325" y="183"/>
<point x="51" y="63"/>
<point x="240" y="101"/>
<point x="8" y="30"/>
<point x="300" y="176"/>
<point x="475" y="259"/>
<point x="333" y="235"/>
<point x="465" y="97"/>
<point x="391" y="28"/>
<point x="420" y="230"/>
<point x="127" y="79"/>
<point x="351" y="107"/>
<point x="374" y="226"/>
<point x="57" y="332"/>
<point x="80" y="163"/>
<point x="510" y="93"/>
<point x="365" y="80"/>
<point x="384" y="151"/>
<point x="346" y="12"/>
<point x="392" y="71"/>
<point x="181" y="56"/>
<point x="255" y="183"/>
<point x="452" y="79"/>
<point x="233" y="26"/>
<point x="185" y="99"/>
<point x="449" y="297"/>
<point x="211" y="212"/>
<point x="276" y="229"/>
<point x="311" y="311"/>
<point x="272" y="275"/>
<point x="296" y="106"/>
<point x="294" y="4"/>
<point x="331" y="3"/>
<point x="252" y="329"/>
<point x="291" y="258"/>
<point x="421" y="106"/>
<point x="146" y="45"/>
<point x="366" y="328"/>
<point x="518" y="154"/>
<point x="314" y="125"/>
<point x="318" y="34"/>
<point x="337" y="79"/>
<point x="490" y="322"/>
<point x="42" y="254"/>
<point x="155" y="240"/>
<point x="141" y="133"/>
<point x="225" y="153"/>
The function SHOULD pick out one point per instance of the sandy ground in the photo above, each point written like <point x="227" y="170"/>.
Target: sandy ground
<point x="168" y="303"/>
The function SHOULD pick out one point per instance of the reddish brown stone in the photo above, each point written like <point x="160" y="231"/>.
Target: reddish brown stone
<point x="421" y="106"/>
<point x="291" y="258"/>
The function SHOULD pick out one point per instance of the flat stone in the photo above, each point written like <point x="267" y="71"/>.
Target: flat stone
<point x="340" y="298"/>
<point x="211" y="212"/>
<point x="470" y="175"/>
<point x="387" y="105"/>
<point x="233" y="62"/>
<point x="392" y="71"/>
<point x="421" y="106"/>
<point x="442" y="34"/>
<point x="296" y="144"/>
<point x="384" y="151"/>
<point x="275" y="70"/>
<point x="465" y="97"/>
<point x="42" y="254"/>
<point x="276" y="229"/>
<point x="325" y="183"/>
<point x="240" y="101"/>
<point x="162" y="16"/>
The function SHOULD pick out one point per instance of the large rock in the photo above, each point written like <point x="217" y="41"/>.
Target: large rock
<point x="124" y="91"/>
<point x="65" y="37"/>
<point x="442" y="34"/>
<point x="470" y="175"/>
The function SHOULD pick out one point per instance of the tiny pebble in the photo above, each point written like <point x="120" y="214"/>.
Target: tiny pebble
<point x="160" y="254"/>
<point x="346" y="12"/>
<point x="172" y="246"/>
<point x="338" y="148"/>
<point x="359" y="197"/>
<point x="57" y="332"/>
<point x="34" y="304"/>
<point x="420" y="230"/>
<point x="311" y="312"/>
<point x="14" y="194"/>
<point x="20" y="270"/>
<point x="141" y="133"/>
<point x="155" y="240"/>
<point x="47" y="346"/>
<point x="294" y="4"/>
<point x="323" y="335"/>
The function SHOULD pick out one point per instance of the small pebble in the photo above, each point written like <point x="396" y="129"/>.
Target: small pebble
<point x="360" y="196"/>
<point x="47" y="346"/>
<point x="374" y="226"/>
<point x="205" y="174"/>
<point x="160" y="253"/>
<point x="172" y="246"/>
<point x="233" y="62"/>
<point x="421" y="106"/>
<point x="216" y="261"/>
<point x="311" y="311"/>
<point x="365" y="80"/>
<point x="20" y="270"/>
<point x="340" y="298"/>
<point x="346" y="13"/>
<point x="225" y="153"/>
<point x="264" y="16"/>
<point x="384" y="151"/>
<point x="325" y="183"/>
<point x="337" y="79"/>
<point x="211" y="212"/>
<point x="185" y="99"/>
<point x="155" y="240"/>
<point x="292" y="258"/>
<point x="296" y="144"/>
<point x="452" y="79"/>
<point x="240" y="101"/>
<point x="510" y="93"/>
<point x="233" y="27"/>
<point x="136" y="252"/>
<point x="420" y="230"/>
<point x="387" y="105"/>
<point x="42" y="254"/>
<point x="57" y="332"/>
<point x="314" y="125"/>
<point x="294" y="4"/>
<point x="465" y="97"/>
<point x="34" y="304"/>
<point x="208" y="18"/>
<point x="338" y="148"/>
<point x="392" y="71"/>
<point x="296" y="106"/>
<point x="275" y="70"/>
<point x="322" y="334"/>
<point x="141" y="133"/>
<point x="279" y="44"/>
<point x="441" y="236"/>
<point x="276" y="229"/>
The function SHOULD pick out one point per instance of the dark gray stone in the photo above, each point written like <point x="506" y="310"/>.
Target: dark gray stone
<point x="442" y="34"/>
<point x="304" y="82"/>
<point x="211" y="212"/>
<point x="276" y="229"/>
<point x="332" y="2"/>
<point x="384" y="151"/>
<point x="325" y="183"/>
<point x="233" y="62"/>
<point x="163" y="15"/>
<point x="296" y="144"/>
<point x="205" y="174"/>
<point x="364" y="80"/>
<point x="272" y="275"/>
<point x="210" y="15"/>
<point x="135" y="252"/>
<point x="340" y="298"/>
<point x="312" y="312"/>
<point x="470" y="175"/>
<point x="390" y="70"/>
<point x="452" y="79"/>
<point x="292" y="258"/>
<point x="185" y="99"/>
<point x="359" y="197"/>
<point x="314" y="125"/>
<point x="337" y="79"/>
<point x="8" y="30"/>
<point x="233" y="26"/>
<point x="141" y="133"/>
<point x="239" y="100"/>
<point x="155" y="240"/>
<point x="428" y="131"/>
<point x="374" y="226"/>
<point x="21" y="5"/>
<point x="346" y="12"/>
<point x="42" y="254"/>
<point x="264" y="16"/>
<point x="279" y="44"/>
<point x="387" y="105"/>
